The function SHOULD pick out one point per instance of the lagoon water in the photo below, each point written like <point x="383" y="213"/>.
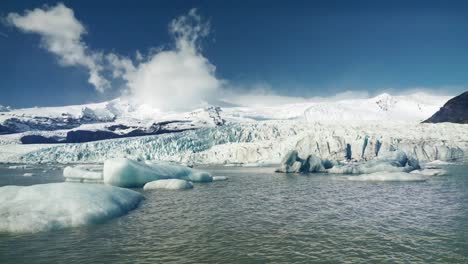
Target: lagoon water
<point x="258" y="216"/>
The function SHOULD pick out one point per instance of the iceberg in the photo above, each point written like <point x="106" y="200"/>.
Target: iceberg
<point x="128" y="173"/>
<point x="387" y="176"/>
<point x="81" y="174"/>
<point x="292" y="163"/>
<point x="394" y="161"/>
<point x="53" y="206"/>
<point x="169" y="184"/>
<point x="430" y="172"/>
<point x="220" y="178"/>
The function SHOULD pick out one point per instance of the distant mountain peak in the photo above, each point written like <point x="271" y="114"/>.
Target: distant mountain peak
<point x="385" y="101"/>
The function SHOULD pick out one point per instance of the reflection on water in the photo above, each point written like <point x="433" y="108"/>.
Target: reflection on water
<point x="258" y="216"/>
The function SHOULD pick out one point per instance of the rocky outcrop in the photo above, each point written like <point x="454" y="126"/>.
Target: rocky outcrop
<point x="454" y="111"/>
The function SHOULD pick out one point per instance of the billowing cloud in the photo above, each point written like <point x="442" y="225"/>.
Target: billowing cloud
<point x="181" y="78"/>
<point x="177" y="79"/>
<point x="61" y="35"/>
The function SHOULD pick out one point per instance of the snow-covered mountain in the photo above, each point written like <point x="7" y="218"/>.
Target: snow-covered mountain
<point x="411" y="108"/>
<point x="252" y="133"/>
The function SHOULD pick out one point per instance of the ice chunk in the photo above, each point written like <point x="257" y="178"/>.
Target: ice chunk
<point x="81" y="173"/>
<point x="387" y="176"/>
<point x="172" y="170"/>
<point x="128" y="173"/>
<point x="293" y="163"/>
<point x="367" y="167"/>
<point x="169" y="184"/>
<point x="438" y="162"/>
<point x="394" y="161"/>
<point x="430" y="172"/>
<point x="28" y="174"/>
<point x="219" y="178"/>
<point x="58" y="205"/>
<point x="312" y="164"/>
<point x="290" y="163"/>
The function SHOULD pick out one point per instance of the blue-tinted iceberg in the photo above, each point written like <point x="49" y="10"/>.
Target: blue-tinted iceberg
<point x="129" y="173"/>
<point x="169" y="184"/>
<point x="52" y="206"/>
<point x="292" y="163"/>
<point x="395" y="161"/>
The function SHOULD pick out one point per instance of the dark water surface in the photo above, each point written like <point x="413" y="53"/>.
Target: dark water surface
<point x="261" y="217"/>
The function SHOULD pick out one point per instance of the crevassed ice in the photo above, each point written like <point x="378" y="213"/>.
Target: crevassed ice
<point x="269" y="141"/>
<point x="52" y="206"/>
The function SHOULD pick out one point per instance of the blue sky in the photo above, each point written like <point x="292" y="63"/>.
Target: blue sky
<point x="296" y="48"/>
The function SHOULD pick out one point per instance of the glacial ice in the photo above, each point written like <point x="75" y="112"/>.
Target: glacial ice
<point x="168" y="184"/>
<point x="81" y="173"/>
<point x="219" y="178"/>
<point x="387" y="176"/>
<point x="430" y="172"/>
<point x="52" y="206"/>
<point x="129" y="173"/>
<point x="292" y="163"/>
<point x="394" y="161"/>
<point x="267" y="142"/>
<point x="172" y="170"/>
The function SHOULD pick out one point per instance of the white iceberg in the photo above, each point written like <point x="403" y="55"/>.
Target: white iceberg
<point x="169" y="184"/>
<point x="52" y="206"/>
<point x="28" y="174"/>
<point x="81" y="174"/>
<point x="430" y="172"/>
<point x="128" y="173"/>
<point x="438" y="163"/>
<point x="219" y="178"/>
<point x="387" y="176"/>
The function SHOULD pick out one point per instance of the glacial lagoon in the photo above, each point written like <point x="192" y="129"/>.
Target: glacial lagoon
<point x="258" y="216"/>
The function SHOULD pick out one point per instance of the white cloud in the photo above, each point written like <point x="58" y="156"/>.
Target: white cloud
<point x="61" y="35"/>
<point x="178" y="79"/>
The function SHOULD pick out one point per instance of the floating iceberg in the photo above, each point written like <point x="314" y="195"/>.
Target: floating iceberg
<point x="128" y="173"/>
<point x="28" y="174"/>
<point x="395" y="161"/>
<point x="219" y="178"/>
<point x="169" y="184"/>
<point x="59" y="205"/>
<point x="81" y="174"/>
<point x="438" y="163"/>
<point x="430" y="172"/>
<point x="387" y="176"/>
<point x="292" y="163"/>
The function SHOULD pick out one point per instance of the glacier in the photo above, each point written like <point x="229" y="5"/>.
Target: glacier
<point x="357" y="129"/>
<point x="268" y="142"/>
<point x="44" y="207"/>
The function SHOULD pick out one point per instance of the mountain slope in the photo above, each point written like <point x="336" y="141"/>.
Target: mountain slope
<point x="409" y="108"/>
<point x="454" y="111"/>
